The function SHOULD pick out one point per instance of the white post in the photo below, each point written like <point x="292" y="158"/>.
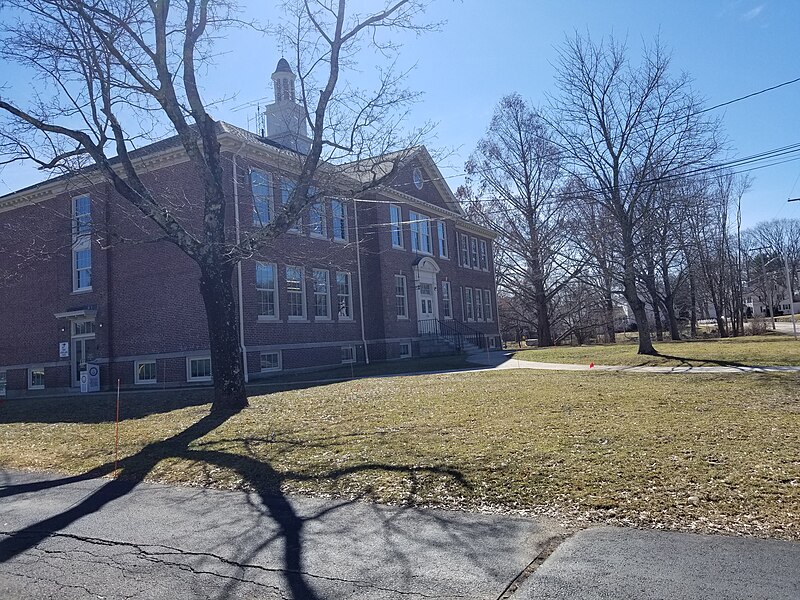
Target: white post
<point x="791" y="296"/>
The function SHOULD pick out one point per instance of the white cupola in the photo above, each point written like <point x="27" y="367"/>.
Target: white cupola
<point x="286" y="119"/>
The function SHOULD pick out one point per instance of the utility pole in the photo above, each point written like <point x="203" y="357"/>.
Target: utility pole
<point x="771" y="291"/>
<point x="791" y="296"/>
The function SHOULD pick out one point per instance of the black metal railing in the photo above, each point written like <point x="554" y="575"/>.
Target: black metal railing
<point x="454" y="332"/>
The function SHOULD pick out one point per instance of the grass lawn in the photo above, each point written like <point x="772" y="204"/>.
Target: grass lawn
<point x="709" y="453"/>
<point x="764" y="350"/>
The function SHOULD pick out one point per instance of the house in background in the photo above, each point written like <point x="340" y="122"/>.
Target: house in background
<point x="86" y="278"/>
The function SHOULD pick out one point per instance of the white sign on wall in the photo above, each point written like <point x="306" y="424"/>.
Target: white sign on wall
<point x="63" y="349"/>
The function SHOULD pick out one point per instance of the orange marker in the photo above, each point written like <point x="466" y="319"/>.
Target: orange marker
<point x="591" y="365"/>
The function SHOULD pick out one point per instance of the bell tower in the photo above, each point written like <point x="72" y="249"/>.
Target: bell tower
<point x="286" y="119"/>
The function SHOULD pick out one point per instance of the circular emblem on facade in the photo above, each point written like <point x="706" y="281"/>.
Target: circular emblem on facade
<point x="93" y="371"/>
<point x="418" y="178"/>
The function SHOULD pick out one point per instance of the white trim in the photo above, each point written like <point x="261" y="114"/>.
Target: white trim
<point x="407" y="354"/>
<point x="483" y="247"/>
<point x="442" y="241"/>
<point x="398" y="225"/>
<point x="327" y="293"/>
<point x="274" y="369"/>
<point x="353" y="351"/>
<point x="189" y="360"/>
<point x="339" y="317"/>
<point x="136" y="379"/>
<point x="270" y="199"/>
<point x="303" y="297"/>
<point x="405" y="296"/>
<point x="276" y="296"/>
<point x="30" y="378"/>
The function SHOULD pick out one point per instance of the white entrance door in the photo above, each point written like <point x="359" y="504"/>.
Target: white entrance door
<point x="427" y="302"/>
<point x="83" y="348"/>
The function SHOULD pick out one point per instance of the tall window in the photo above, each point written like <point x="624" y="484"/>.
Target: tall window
<point x="81" y="243"/>
<point x="317" y="220"/>
<point x="397" y="226"/>
<point x="464" y="250"/>
<point x="441" y="231"/>
<point x="287" y="189"/>
<point x="261" y="184"/>
<point x="478" y="304"/>
<point x="266" y="288"/>
<point x="2" y="383"/>
<point x="339" y="213"/>
<point x="484" y="256"/>
<point x="473" y="247"/>
<point x="322" y="295"/>
<point x="468" y="304"/>
<point x="447" y="302"/>
<point x="401" y="296"/>
<point x="344" y="296"/>
<point x="295" y="293"/>
<point x="420" y="233"/>
<point x="487" y="305"/>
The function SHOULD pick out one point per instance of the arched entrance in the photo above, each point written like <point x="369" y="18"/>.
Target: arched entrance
<point x="425" y="272"/>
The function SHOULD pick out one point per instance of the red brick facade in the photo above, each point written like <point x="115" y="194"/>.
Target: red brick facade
<point x="144" y="304"/>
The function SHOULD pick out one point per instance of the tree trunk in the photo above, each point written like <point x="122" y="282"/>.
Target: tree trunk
<point x="543" y="331"/>
<point x="610" y="324"/>
<point x="693" y="305"/>
<point x="632" y="296"/>
<point x="226" y="357"/>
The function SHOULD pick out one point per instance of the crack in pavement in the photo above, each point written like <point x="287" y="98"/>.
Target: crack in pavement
<point x="147" y="552"/>
<point x="548" y="548"/>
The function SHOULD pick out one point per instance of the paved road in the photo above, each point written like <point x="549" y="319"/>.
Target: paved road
<point x="61" y="540"/>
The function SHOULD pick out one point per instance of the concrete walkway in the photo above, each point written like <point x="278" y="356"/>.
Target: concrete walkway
<point x="506" y="360"/>
<point x="68" y="538"/>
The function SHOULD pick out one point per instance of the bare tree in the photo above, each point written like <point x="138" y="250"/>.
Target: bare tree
<point x="518" y="172"/>
<point x="112" y="71"/>
<point x="624" y="128"/>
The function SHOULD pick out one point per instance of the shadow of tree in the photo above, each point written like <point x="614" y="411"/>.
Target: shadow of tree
<point x="261" y="476"/>
<point x="685" y="361"/>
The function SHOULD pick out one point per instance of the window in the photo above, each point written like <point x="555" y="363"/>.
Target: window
<point x="464" y="250"/>
<point x="484" y="256"/>
<point x="397" y="227"/>
<point x="261" y="184"/>
<point x="82" y="328"/>
<point x="81" y="244"/>
<point x="266" y="289"/>
<point x="447" y="303"/>
<point x="420" y="233"/>
<point x="317" y="220"/>
<point x="144" y="371"/>
<point x="348" y="354"/>
<point x="344" y="296"/>
<point x="468" y="304"/>
<point x="339" y="213"/>
<point x="473" y="246"/>
<point x="322" y="296"/>
<point x="270" y="361"/>
<point x="296" y="293"/>
<point x="36" y="378"/>
<point x="478" y="304"/>
<point x="198" y="369"/>
<point x="401" y="296"/>
<point x="487" y="305"/>
<point x="3" y="382"/>
<point x="287" y="189"/>
<point x="405" y="350"/>
<point x="441" y="232"/>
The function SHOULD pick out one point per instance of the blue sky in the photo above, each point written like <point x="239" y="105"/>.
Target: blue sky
<point x="488" y="49"/>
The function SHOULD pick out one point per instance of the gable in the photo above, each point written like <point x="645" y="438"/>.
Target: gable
<point x="434" y="188"/>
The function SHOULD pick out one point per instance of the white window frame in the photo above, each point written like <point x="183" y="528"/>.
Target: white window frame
<point x="269" y="200"/>
<point x="483" y="255"/>
<point x="464" y="250"/>
<point x="3" y="383"/>
<point x="278" y="353"/>
<point x="289" y="315"/>
<point x="352" y="349"/>
<point x="274" y="290"/>
<point x="487" y="306"/>
<point x="396" y="226"/>
<point x="81" y="242"/>
<point x="339" y="206"/>
<point x="473" y="253"/>
<point x="441" y="234"/>
<point x="31" y="386"/>
<point x="318" y="219"/>
<point x="348" y="296"/>
<point x="189" y="360"/>
<point x="421" y="241"/>
<point x="137" y="364"/>
<point x="404" y="316"/>
<point x="405" y="354"/>
<point x="327" y="293"/>
<point x="469" y="315"/>
<point x="447" y="300"/>
<point x="477" y="294"/>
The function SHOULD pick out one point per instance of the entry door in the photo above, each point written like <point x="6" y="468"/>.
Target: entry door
<point x="427" y="307"/>
<point x="83" y="348"/>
